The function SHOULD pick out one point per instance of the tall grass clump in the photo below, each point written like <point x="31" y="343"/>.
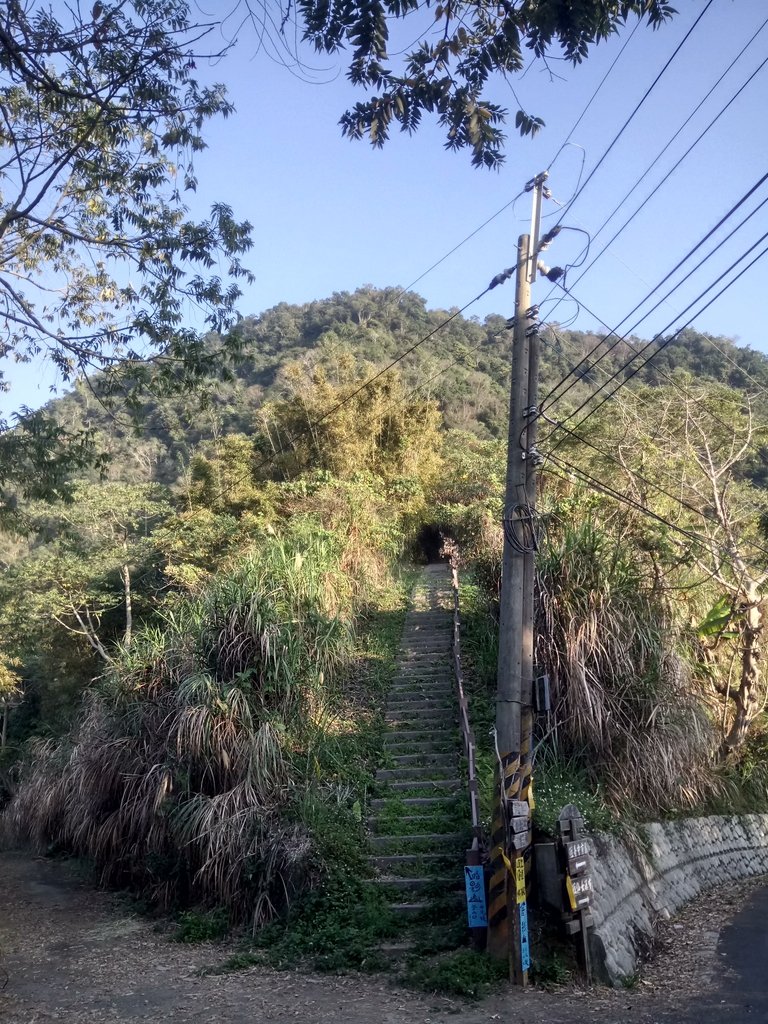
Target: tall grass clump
<point x="625" y="705"/>
<point x="179" y="780"/>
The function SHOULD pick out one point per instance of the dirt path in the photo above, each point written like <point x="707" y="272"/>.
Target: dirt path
<point x="76" y="956"/>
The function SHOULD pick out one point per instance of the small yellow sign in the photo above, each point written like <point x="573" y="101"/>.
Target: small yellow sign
<point x="571" y="893"/>
<point x="520" y="879"/>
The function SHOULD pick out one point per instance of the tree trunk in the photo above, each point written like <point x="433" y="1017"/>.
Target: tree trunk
<point x="747" y="697"/>
<point x="4" y="736"/>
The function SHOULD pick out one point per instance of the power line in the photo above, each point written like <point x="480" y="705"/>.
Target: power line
<point x="593" y="97"/>
<point x="637" y="476"/>
<point x="710" y="341"/>
<point x="456" y="247"/>
<point x="601" y="487"/>
<point x="578" y="121"/>
<point x="637" y="107"/>
<point x="613" y="331"/>
<point x="676" y="165"/>
<point x="666" y="341"/>
<point x="497" y="280"/>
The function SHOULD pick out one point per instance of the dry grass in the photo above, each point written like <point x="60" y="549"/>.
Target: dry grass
<point x="625" y="703"/>
<point x="178" y="778"/>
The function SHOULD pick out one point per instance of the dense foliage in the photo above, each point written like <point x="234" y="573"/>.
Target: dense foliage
<point x="101" y="117"/>
<point x="186" y="699"/>
<point x="446" y="73"/>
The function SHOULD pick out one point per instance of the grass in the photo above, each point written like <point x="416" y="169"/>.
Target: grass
<point x="462" y="972"/>
<point x="202" y="926"/>
<point x="559" y="782"/>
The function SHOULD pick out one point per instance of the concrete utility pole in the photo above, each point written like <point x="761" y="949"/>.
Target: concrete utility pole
<point x="514" y="720"/>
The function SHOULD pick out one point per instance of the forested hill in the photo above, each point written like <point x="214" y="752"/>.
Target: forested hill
<point x="464" y="365"/>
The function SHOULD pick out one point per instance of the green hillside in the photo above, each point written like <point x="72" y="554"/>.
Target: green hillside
<point x="464" y="367"/>
<point x="197" y="651"/>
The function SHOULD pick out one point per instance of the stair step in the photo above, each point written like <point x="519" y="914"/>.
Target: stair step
<point x="414" y="884"/>
<point x="415" y="801"/>
<point x="403" y="735"/>
<point x="437" y="760"/>
<point x="440" y="818"/>
<point x="427" y="670"/>
<point x="417" y="774"/>
<point x="401" y="859"/>
<point x="437" y="838"/>
<point x="425" y="751"/>
<point x="429" y="784"/>
<point x="410" y="909"/>
<point x="418" y="701"/>
<point x="426" y="718"/>
<point x="427" y="687"/>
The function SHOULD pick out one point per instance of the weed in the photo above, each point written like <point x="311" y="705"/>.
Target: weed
<point x="559" y="782"/>
<point x="337" y="927"/>
<point x="202" y="926"/>
<point x="460" y="973"/>
<point x="551" y="969"/>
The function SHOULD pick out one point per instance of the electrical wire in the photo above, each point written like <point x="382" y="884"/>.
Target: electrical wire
<point x="666" y="341"/>
<point x="593" y="97"/>
<point x="458" y="245"/>
<point x="637" y="107"/>
<point x="637" y="476"/>
<point x="497" y="280"/>
<point x="601" y="487"/>
<point x="613" y="331"/>
<point x="665" y="179"/>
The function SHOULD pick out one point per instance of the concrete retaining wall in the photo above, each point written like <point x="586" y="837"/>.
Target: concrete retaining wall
<point x="637" y="884"/>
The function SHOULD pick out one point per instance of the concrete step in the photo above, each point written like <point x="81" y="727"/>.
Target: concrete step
<point x="432" y="883"/>
<point x="439" y="641"/>
<point x="447" y="749"/>
<point x="431" y="840"/>
<point x="442" y="819"/>
<point x="426" y="717"/>
<point x="403" y="774"/>
<point x="416" y="907"/>
<point x="404" y="884"/>
<point x="410" y="737"/>
<point x="432" y="802"/>
<point x="409" y="692"/>
<point x="415" y="695"/>
<point x="428" y="759"/>
<point x="401" y="860"/>
<point x="426" y="706"/>
<point x="412" y="908"/>
<point x="430" y="784"/>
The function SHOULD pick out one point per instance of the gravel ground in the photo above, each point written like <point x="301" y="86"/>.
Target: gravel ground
<point x="77" y="956"/>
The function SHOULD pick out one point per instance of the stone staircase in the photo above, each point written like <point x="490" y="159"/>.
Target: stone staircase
<point x="419" y="817"/>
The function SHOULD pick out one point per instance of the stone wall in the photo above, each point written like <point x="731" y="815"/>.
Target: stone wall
<point x="637" y="883"/>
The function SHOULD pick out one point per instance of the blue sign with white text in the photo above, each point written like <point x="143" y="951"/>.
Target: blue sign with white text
<point x="477" y="914"/>
<point x="525" y="947"/>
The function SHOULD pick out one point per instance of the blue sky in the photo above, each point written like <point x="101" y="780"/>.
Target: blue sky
<point x="331" y="215"/>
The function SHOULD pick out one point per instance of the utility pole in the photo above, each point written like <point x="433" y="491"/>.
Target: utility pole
<point x="514" y="720"/>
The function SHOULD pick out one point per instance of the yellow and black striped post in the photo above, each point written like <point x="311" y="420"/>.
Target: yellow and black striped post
<point x="507" y="788"/>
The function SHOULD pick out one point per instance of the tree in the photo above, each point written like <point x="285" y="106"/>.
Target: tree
<point x="446" y="74"/>
<point x="83" y="578"/>
<point x="10" y="694"/>
<point x="100" y="118"/>
<point x="377" y="428"/>
<point x="685" y="452"/>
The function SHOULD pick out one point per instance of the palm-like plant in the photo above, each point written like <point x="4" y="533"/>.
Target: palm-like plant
<point x="625" y="703"/>
<point x="178" y="777"/>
